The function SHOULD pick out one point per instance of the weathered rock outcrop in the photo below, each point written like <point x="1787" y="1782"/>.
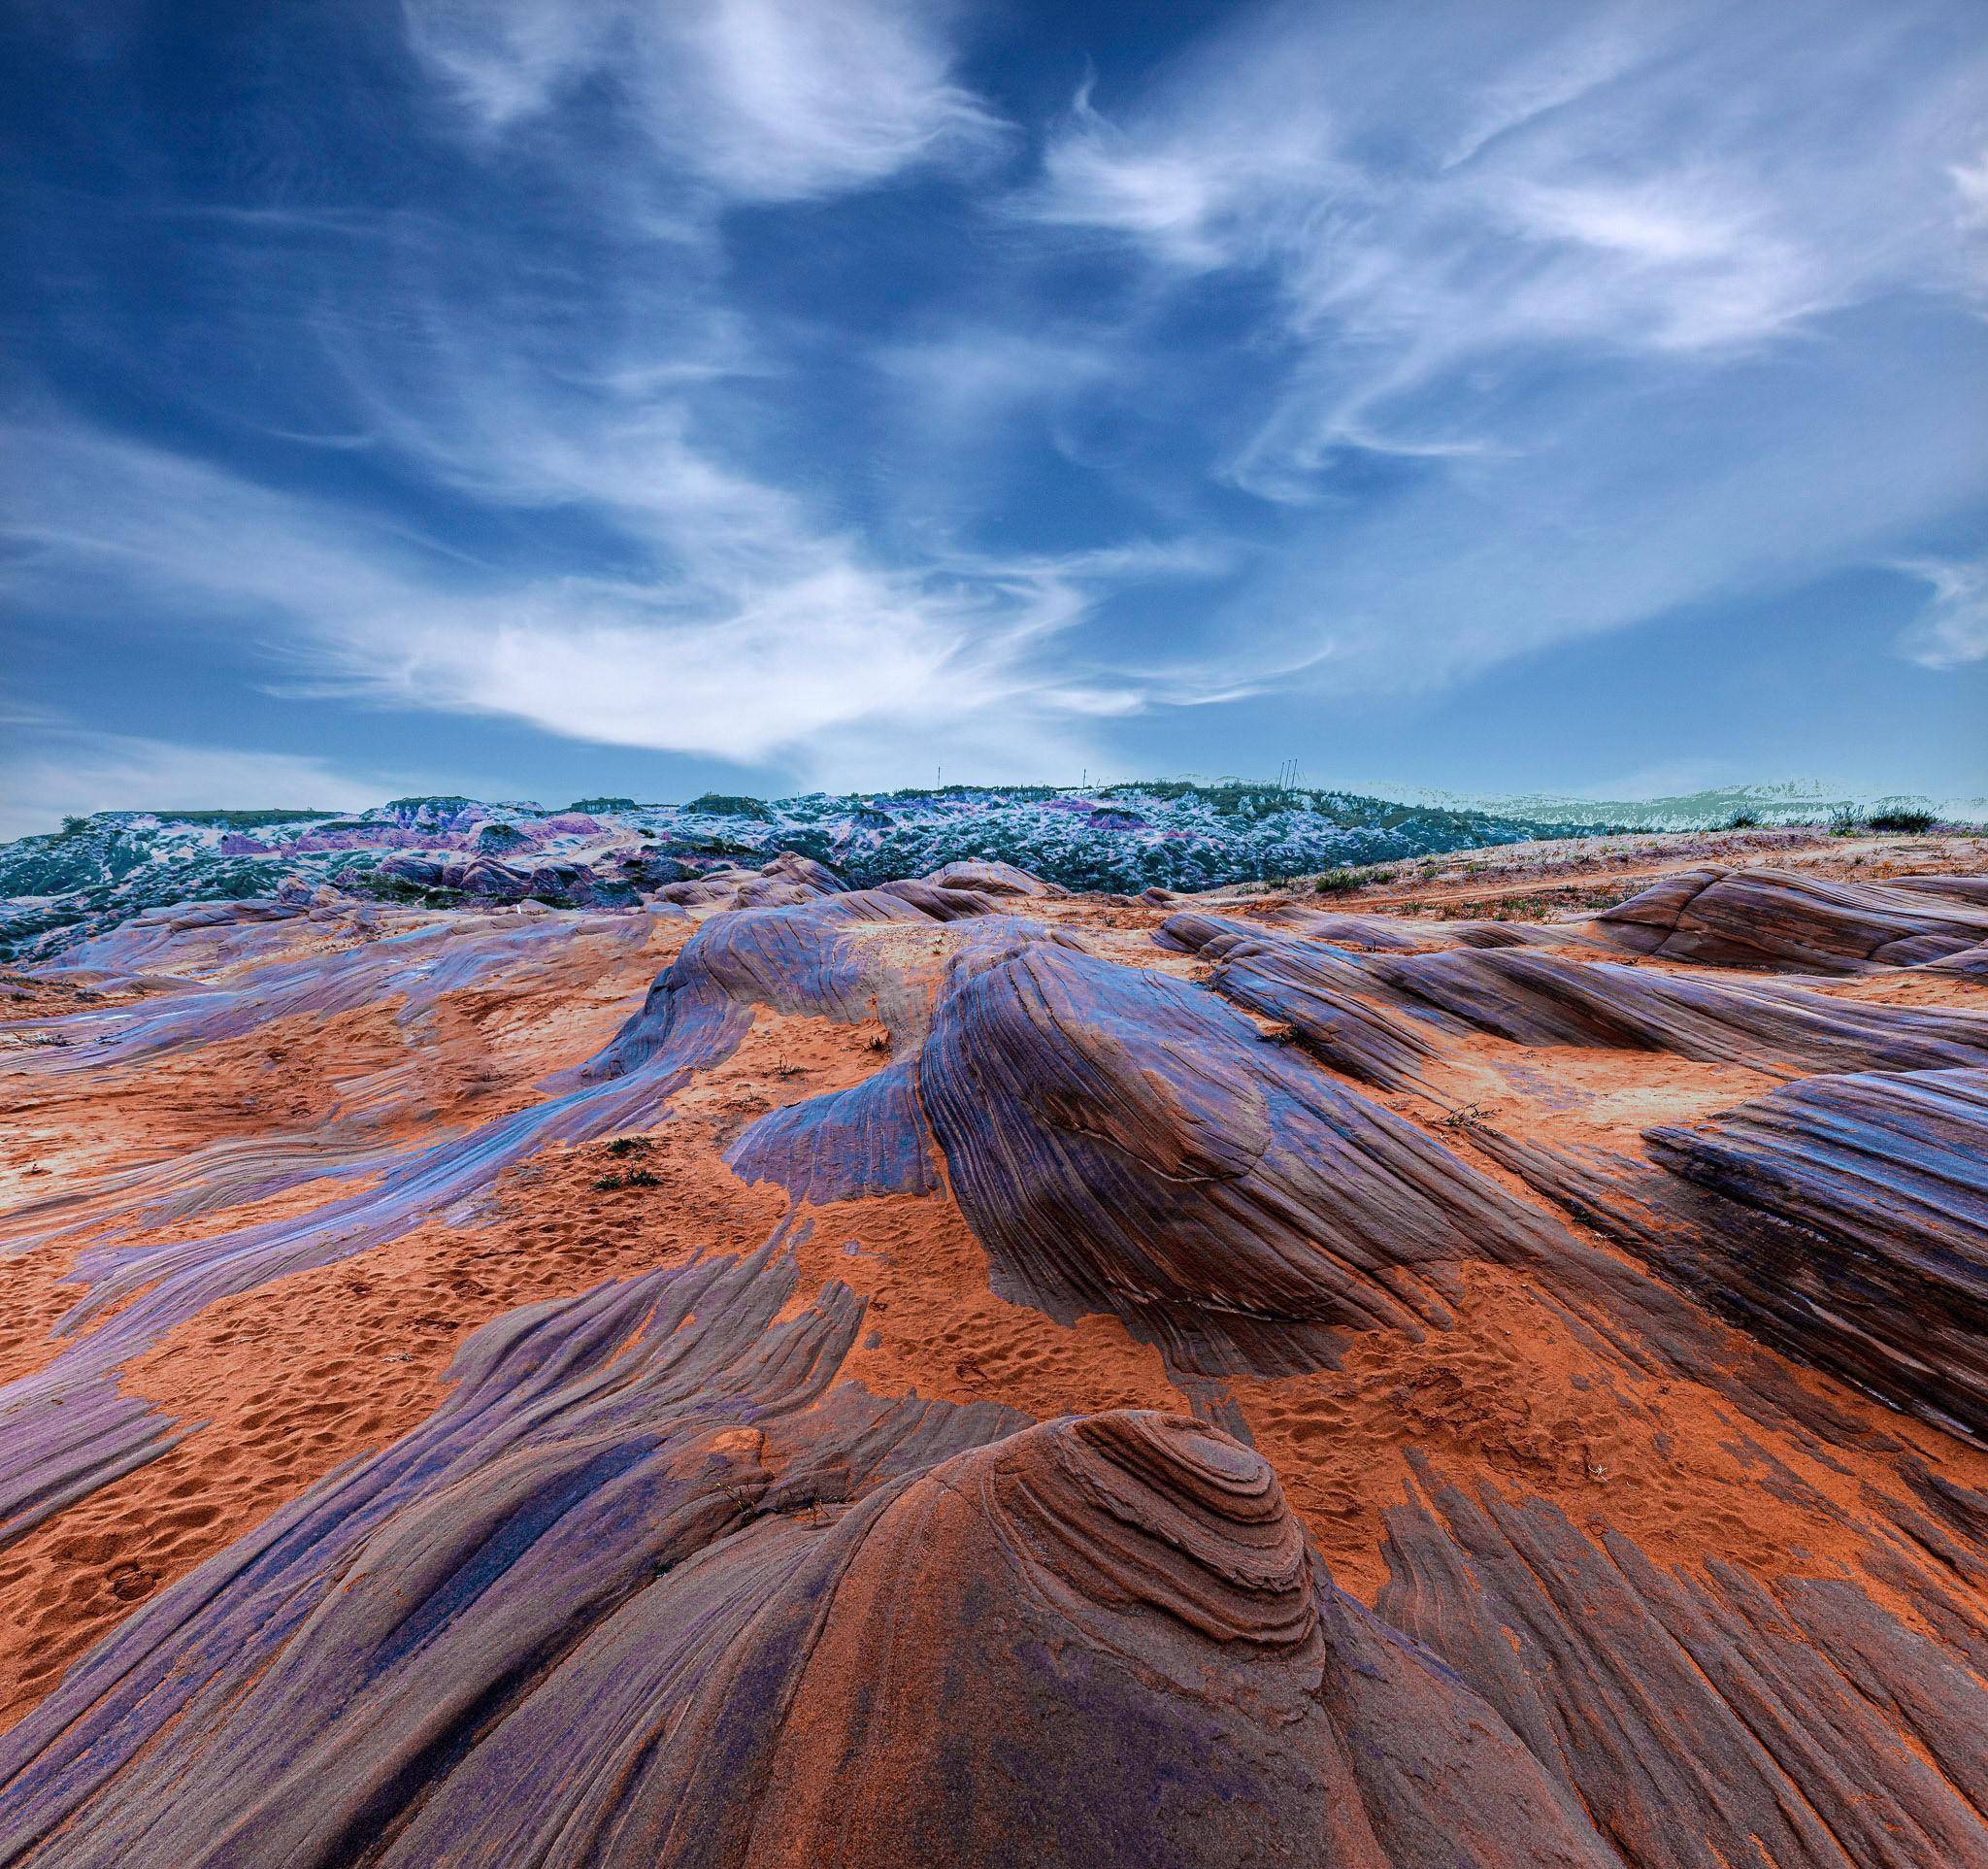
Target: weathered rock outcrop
<point x="1851" y="1226"/>
<point x="1120" y="1142"/>
<point x="1542" y="999"/>
<point x="1700" y="1721"/>
<point x="558" y="885"/>
<point x="1774" y="919"/>
<point x="1349" y="1008"/>
<point x="992" y="877"/>
<point x="626" y="1599"/>
<point x="923" y="1375"/>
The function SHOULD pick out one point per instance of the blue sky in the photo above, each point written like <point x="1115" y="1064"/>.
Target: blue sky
<point x="534" y="399"/>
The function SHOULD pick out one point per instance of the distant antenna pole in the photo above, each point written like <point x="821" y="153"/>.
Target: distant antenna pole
<point x="937" y="777"/>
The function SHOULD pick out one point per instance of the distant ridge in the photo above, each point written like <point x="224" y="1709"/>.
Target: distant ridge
<point x="1783" y="802"/>
<point x="611" y="851"/>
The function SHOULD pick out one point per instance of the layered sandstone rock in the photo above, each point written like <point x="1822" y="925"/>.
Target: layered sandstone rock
<point x="959" y="1374"/>
<point x="1773" y="919"/>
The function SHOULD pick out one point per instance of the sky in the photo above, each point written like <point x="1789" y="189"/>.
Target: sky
<point x="538" y="398"/>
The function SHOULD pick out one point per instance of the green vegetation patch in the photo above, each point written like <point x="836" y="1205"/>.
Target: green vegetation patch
<point x="726" y="804"/>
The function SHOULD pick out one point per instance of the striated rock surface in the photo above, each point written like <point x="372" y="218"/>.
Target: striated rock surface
<point x="956" y="1372"/>
<point x="991" y="878"/>
<point x="1851" y="1226"/>
<point x="1770" y="919"/>
<point x="1118" y="1141"/>
<point x="1700" y="1721"/>
<point x="644" y="1540"/>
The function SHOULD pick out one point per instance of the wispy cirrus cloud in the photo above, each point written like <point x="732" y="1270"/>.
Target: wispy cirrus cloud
<point x="606" y="565"/>
<point x="772" y="385"/>
<point x="763" y="100"/>
<point x="1953" y="629"/>
<point x="1440" y="202"/>
<point x="1619" y="309"/>
<point x="754" y="636"/>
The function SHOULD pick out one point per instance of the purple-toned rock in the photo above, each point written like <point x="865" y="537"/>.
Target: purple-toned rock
<point x="1846" y="1219"/>
<point x="627" y="1599"/>
<point x="1806" y="923"/>
<point x="1122" y="1141"/>
<point x="943" y="903"/>
<point x="991" y="878"/>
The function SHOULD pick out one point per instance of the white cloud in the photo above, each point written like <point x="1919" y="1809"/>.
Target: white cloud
<point x="755" y="675"/>
<point x="1954" y="629"/>
<point x="1216" y="185"/>
<point x="974" y="375"/>
<point x="766" y="100"/>
<point x="757" y="635"/>
<point x="1971" y="183"/>
<point x="1639" y="303"/>
<point x="1438" y="192"/>
<point x="1522" y="322"/>
<point x="49" y="771"/>
<point x="1640" y="507"/>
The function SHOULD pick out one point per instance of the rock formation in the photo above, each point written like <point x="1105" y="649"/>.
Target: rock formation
<point x="958" y="1372"/>
<point x="1768" y="919"/>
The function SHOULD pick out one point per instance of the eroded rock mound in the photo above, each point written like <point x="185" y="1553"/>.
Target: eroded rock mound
<point x="1776" y="918"/>
<point x="627" y="1597"/>
<point x="1683" y="1710"/>
<point x="1851" y="1226"/>
<point x="991" y="878"/>
<point x="1120" y="1142"/>
<point x="1542" y="999"/>
<point x="1351" y="1008"/>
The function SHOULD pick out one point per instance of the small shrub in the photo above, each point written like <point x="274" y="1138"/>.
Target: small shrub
<point x="1911" y="821"/>
<point x="1336" y="882"/>
<point x="628" y="1146"/>
<point x="635" y="1178"/>
<point x="1844" y="824"/>
<point x="1741" y="822"/>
